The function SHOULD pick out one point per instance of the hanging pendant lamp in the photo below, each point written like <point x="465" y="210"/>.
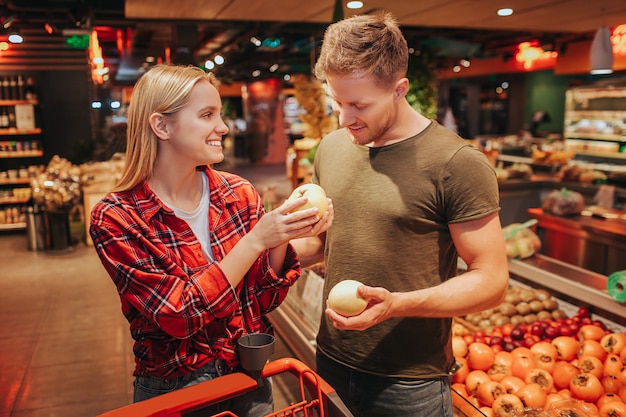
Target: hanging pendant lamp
<point x="601" y="53"/>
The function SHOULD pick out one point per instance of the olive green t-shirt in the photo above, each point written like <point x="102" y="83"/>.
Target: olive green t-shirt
<point x="392" y="208"/>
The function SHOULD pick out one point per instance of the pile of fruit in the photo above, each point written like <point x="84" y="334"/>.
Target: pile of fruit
<point x="520" y="240"/>
<point x="521" y="306"/>
<point x="550" y="366"/>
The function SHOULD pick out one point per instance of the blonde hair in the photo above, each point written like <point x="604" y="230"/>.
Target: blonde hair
<point x="164" y="89"/>
<point x="364" y="44"/>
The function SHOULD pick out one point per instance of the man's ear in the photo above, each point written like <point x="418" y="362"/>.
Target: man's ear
<point x="158" y="123"/>
<point x="401" y="88"/>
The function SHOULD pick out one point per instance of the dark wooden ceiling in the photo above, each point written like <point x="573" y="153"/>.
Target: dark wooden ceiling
<point x="195" y="30"/>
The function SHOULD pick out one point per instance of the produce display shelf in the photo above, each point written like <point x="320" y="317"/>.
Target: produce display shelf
<point x="570" y="283"/>
<point x="572" y="286"/>
<point x="296" y="333"/>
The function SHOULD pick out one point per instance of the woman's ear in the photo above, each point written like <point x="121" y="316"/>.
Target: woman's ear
<point x="158" y="123"/>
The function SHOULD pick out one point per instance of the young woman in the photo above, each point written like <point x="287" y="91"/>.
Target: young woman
<point x="196" y="261"/>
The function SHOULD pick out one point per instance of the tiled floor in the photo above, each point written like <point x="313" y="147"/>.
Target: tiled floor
<point x="65" y="349"/>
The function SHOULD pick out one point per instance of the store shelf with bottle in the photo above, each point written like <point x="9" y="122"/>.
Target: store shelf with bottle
<point x="15" y="192"/>
<point x="21" y="147"/>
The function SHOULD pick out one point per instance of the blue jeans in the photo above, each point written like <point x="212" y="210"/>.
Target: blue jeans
<point x="256" y="403"/>
<point x="368" y="395"/>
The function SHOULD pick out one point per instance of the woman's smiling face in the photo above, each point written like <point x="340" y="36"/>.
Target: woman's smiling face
<point x="198" y="128"/>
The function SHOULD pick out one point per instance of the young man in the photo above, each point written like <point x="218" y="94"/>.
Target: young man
<point x="409" y="198"/>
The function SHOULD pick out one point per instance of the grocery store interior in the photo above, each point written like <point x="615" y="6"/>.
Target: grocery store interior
<point x="540" y="88"/>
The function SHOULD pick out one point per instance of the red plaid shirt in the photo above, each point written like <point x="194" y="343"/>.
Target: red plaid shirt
<point x="182" y="311"/>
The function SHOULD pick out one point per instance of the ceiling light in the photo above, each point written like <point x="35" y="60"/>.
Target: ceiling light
<point x="208" y="64"/>
<point x="256" y="41"/>
<point x="507" y="11"/>
<point x="219" y="60"/>
<point x="8" y="21"/>
<point x="50" y="28"/>
<point x="256" y="73"/>
<point x="274" y="68"/>
<point x="354" y="4"/>
<point x="601" y="53"/>
<point x="15" y="37"/>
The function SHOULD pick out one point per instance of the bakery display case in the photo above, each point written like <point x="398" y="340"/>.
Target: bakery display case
<point x="595" y="120"/>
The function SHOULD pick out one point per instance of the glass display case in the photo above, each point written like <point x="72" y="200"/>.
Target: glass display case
<point x="595" y="121"/>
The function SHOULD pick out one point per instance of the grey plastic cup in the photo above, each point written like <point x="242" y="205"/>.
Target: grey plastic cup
<point x="254" y="351"/>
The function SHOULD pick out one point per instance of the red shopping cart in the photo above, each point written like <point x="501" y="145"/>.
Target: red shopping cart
<point x="317" y="397"/>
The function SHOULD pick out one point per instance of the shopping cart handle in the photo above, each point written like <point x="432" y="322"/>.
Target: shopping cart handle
<point x="217" y="390"/>
<point x="174" y="403"/>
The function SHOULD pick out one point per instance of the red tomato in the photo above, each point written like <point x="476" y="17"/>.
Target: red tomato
<point x="590" y="332"/>
<point x="566" y="346"/>
<point x="544" y="348"/>
<point x="621" y="376"/>
<point x="497" y="348"/>
<point x="607" y="398"/>
<point x="480" y="356"/>
<point x="592" y="365"/>
<point x="488" y="391"/>
<point x="532" y="395"/>
<point x="507" y="329"/>
<point x="586" y="387"/>
<point x="592" y="348"/>
<point x="460" y="389"/>
<point x="552" y="399"/>
<point x="496" y="331"/>
<point x="497" y="372"/>
<point x="521" y="365"/>
<point x="612" y="365"/>
<point x="474" y="379"/>
<point x="461" y="373"/>
<point x="507" y="405"/>
<point x="613" y="342"/>
<point x="610" y="384"/>
<point x="459" y="346"/>
<point x="503" y="358"/>
<point x="563" y="374"/>
<point x="512" y="384"/>
<point x="613" y="409"/>
<point x="486" y="411"/>
<point x="540" y="377"/>
<point x="521" y="351"/>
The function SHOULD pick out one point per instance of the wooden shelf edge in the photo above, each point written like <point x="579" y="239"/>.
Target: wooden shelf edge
<point x="14" y="102"/>
<point x="17" y="181"/>
<point x="22" y="154"/>
<point x="15" y="131"/>
<point x="13" y="226"/>
<point x="13" y="201"/>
